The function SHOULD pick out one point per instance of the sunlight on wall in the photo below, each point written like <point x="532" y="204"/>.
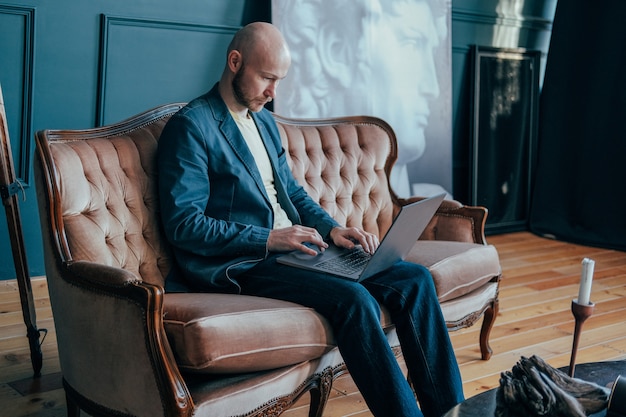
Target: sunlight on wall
<point x="508" y="35"/>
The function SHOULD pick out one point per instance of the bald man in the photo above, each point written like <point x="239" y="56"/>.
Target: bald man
<point x="230" y="205"/>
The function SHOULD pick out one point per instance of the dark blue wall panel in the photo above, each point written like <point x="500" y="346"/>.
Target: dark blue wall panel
<point x="158" y="61"/>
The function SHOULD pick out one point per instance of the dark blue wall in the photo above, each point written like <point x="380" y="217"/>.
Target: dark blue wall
<point x="73" y="64"/>
<point x="76" y="64"/>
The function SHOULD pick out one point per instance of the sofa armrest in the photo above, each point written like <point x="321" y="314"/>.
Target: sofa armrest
<point x="113" y="325"/>
<point x="454" y="221"/>
<point x="106" y="278"/>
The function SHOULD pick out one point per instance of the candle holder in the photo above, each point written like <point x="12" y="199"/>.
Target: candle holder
<point x="581" y="313"/>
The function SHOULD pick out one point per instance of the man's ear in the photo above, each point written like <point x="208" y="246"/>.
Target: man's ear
<point x="234" y="60"/>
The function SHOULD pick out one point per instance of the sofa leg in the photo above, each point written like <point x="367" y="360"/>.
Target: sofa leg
<point x="321" y="393"/>
<point x="73" y="410"/>
<point x="488" y="321"/>
<point x="315" y="408"/>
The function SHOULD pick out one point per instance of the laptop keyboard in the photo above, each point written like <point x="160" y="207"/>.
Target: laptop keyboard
<point x="347" y="263"/>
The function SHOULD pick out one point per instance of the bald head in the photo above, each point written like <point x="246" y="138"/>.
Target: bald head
<point x="257" y="59"/>
<point x="259" y="38"/>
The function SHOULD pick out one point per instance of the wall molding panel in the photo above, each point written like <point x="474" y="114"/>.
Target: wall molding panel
<point x="496" y="19"/>
<point x="19" y="76"/>
<point x="184" y="51"/>
<point x="479" y="24"/>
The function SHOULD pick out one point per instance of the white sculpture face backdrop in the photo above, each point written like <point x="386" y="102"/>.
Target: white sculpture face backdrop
<point x="386" y="58"/>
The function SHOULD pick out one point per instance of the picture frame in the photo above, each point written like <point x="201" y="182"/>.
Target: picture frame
<point x="503" y="136"/>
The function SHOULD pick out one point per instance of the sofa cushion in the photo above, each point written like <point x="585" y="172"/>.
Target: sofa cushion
<point x="223" y="333"/>
<point x="458" y="268"/>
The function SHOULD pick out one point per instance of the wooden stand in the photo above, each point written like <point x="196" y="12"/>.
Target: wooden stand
<point x="581" y="313"/>
<point x="9" y="188"/>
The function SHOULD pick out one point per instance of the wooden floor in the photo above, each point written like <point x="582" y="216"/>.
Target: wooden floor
<point x="540" y="280"/>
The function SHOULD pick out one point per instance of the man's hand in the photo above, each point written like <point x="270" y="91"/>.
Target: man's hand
<point x="347" y="236"/>
<point x="294" y="238"/>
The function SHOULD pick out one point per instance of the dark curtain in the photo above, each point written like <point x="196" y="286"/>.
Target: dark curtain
<point x="580" y="178"/>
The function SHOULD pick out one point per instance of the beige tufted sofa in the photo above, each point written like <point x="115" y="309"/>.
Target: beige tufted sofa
<point x="128" y="349"/>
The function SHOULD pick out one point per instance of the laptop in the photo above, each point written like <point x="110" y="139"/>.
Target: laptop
<point x="356" y="264"/>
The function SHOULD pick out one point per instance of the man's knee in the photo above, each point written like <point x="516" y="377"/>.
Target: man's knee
<point x="359" y="302"/>
<point x="413" y="270"/>
<point x="410" y="278"/>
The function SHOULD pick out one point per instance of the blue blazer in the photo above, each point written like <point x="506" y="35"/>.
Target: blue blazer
<point x="214" y="208"/>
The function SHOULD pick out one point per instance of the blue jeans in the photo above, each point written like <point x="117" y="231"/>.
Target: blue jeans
<point x="408" y="292"/>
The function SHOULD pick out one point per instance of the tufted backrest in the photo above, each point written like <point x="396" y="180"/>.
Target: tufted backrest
<point x="101" y="194"/>
<point x="344" y="164"/>
<point x="100" y="188"/>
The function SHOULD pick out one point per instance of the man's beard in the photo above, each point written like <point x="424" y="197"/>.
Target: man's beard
<point x="237" y="91"/>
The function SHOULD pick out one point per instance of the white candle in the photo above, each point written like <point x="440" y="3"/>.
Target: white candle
<point x="586" y="277"/>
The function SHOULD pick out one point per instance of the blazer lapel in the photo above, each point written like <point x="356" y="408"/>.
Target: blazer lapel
<point x="235" y="139"/>
<point x="282" y="195"/>
<point x="233" y="136"/>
